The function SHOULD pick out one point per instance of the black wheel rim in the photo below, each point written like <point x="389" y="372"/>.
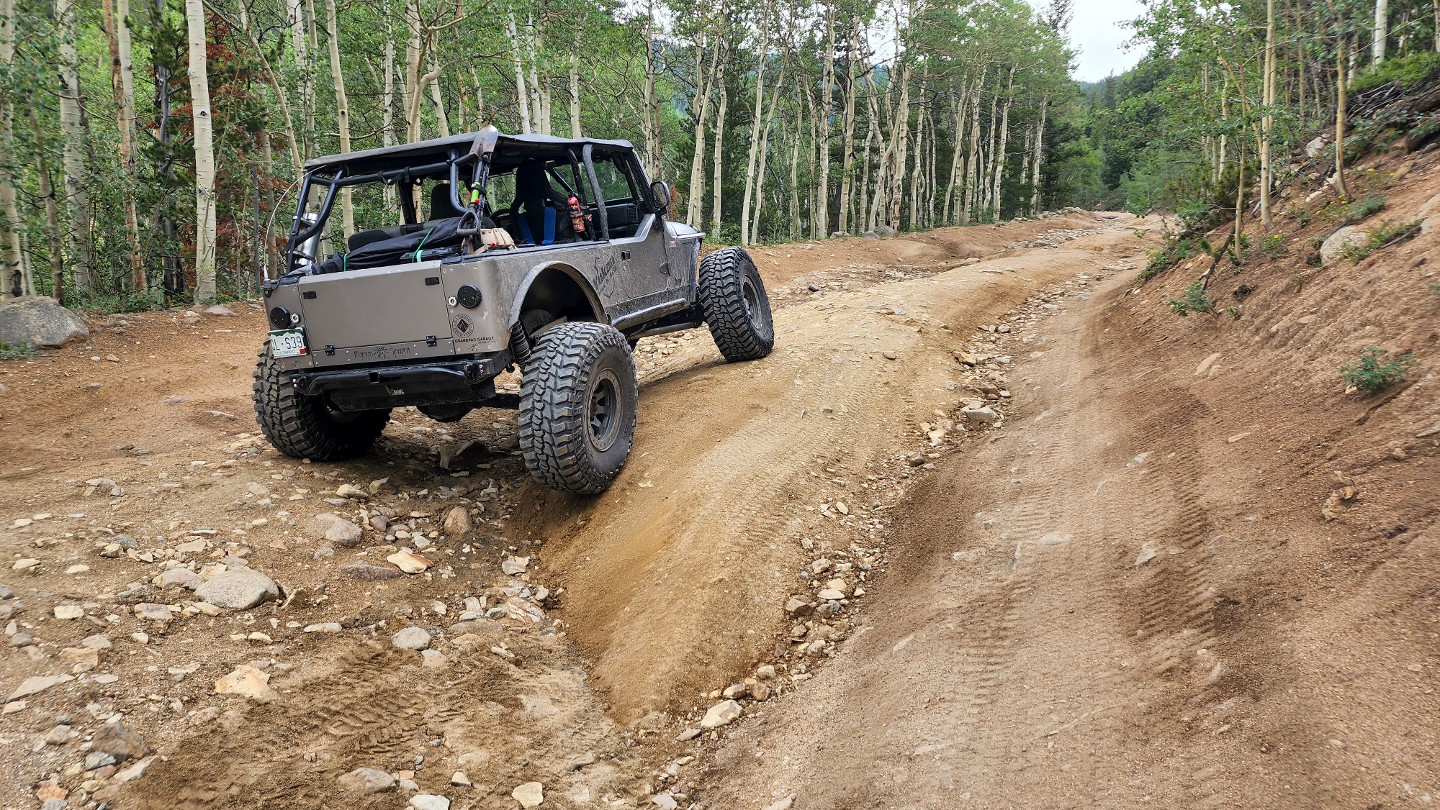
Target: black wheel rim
<point x="752" y="299"/>
<point x="602" y="412"/>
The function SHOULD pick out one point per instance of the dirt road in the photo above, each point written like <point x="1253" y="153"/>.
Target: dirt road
<point x="1129" y="597"/>
<point x="569" y="639"/>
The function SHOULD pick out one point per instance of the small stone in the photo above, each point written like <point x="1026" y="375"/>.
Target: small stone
<point x="687" y="735"/>
<point x="238" y="589"/>
<point x="246" y="681"/>
<point x="408" y="561"/>
<point x="515" y="566"/>
<point x="25" y="564"/>
<point x="179" y="576"/>
<point x="133" y="772"/>
<point x="983" y="414"/>
<point x="459" y="779"/>
<point x="798" y="607"/>
<point x="35" y="684"/>
<point x="765" y="672"/>
<point x="1147" y="553"/>
<point x="721" y="714"/>
<point x="69" y="611"/>
<point x="343" y="533"/>
<point x="411" y="638"/>
<point x="457" y="522"/>
<point x="830" y="594"/>
<point x="151" y="612"/>
<point x="429" y="801"/>
<point x="119" y="742"/>
<point x="367" y="780"/>
<point x="432" y="659"/>
<point x="322" y="627"/>
<point x="530" y="794"/>
<point x="579" y="761"/>
<point x="369" y="572"/>
<point x="351" y="491"/>
<point x="664" y="801"/>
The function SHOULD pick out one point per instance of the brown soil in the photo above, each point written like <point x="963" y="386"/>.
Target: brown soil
<point x="159" y="403"/>
<point x="1134" y="594"/>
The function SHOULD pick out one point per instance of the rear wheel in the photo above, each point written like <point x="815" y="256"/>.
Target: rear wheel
<point x="578" y="398"/>
<point x="733" y="300"/>
<point x="305" y="427"/>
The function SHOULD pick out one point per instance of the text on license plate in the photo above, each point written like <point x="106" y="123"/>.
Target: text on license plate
<point x="288" y="343"/>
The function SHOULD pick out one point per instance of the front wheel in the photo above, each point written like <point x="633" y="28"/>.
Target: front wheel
<point x="735" y="306"/>
<point x="305" y="427"/>
<point x="578" y="398"/>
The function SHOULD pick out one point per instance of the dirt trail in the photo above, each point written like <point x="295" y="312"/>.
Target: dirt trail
<point x="1123" y="599"/>
<point x="667" y="587"/>
<point x="672" y="580"/>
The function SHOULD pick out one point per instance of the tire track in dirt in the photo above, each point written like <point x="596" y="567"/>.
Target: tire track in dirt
<point x="1031" y="625"/>
<point x="673" y="578"/>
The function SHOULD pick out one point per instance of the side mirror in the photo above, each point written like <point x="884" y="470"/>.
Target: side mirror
<point x="659" y="196"/>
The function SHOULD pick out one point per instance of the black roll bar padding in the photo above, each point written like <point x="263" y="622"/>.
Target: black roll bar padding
<point x="299" y="237"/>
<point x="587" y="155"/>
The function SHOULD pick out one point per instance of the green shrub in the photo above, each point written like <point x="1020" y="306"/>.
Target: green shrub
<point x="1361" y="210"/>
<point x="1273" y="246"/>
<point x="1383" y="236"/>
<point x="1409" y="71"/>
<point x="1369" y="374"/>
<point x="1170" y="254"/>
<point x="17" y="351"/>
<point x="1195" y="300"/>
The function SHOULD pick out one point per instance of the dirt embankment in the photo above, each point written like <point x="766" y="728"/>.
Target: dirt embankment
<point x="1191" y="570"/>
<point x="133" y="472"/>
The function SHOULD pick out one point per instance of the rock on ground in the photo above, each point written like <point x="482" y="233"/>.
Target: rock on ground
<point x="721" y="714"/>
<point x="411" y="638"/>
<point x="238" y="589"/>
<point x="39" y="321"/>
<point x="429" y="801"/>
<point x="248" y="682"/>
<point x="367" y="780"/>
<point x="530" y="794"/>
<point x="1334" y="246"/>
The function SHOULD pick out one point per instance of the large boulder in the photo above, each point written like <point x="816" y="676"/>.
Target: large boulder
<point x="1334" y="247"/>
<point x="39" y="321"/>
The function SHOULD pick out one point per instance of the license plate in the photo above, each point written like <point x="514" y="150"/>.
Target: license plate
<point x="288" y="343"/>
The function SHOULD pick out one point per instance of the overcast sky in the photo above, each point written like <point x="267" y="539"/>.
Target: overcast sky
<point x="1098" y="33"/>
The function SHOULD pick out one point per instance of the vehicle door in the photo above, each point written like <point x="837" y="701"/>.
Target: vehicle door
<point x="637" y="235"/>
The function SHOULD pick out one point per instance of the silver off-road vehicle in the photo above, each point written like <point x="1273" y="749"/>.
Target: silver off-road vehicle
<point x="549" y="254"/>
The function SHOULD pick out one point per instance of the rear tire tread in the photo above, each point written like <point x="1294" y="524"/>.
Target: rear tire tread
<point x="300" y="426"/>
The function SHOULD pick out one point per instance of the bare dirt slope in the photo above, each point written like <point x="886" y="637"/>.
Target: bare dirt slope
<point x="131" y="467"/>
<point x="1191" y="570"/>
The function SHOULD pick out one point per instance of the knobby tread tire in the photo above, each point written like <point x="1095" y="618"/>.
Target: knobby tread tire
<point x="301" y="426"/>
<point x="555" y="391"/>
<point x="722" y="301"/>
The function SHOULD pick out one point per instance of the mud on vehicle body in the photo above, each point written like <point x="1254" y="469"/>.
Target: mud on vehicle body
<point x="485" y="252"/>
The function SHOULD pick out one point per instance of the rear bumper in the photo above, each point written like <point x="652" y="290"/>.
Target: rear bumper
<point x="442" y="382"/>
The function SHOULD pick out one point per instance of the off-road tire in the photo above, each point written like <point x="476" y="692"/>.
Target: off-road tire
<point x="735" y="306"/>
<point x="578" y="398"/>
<point x="303" y="427"/>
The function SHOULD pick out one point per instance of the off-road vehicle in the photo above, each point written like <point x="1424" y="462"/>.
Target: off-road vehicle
<point x="548" y="254"/>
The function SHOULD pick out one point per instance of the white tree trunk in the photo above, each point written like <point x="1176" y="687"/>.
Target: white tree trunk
<point x="575" y="93"/>
<point x="387" y="108"/>
<point x="342" y="113"/>
<point x="716" y="185"/>
<point x="847" y="146"/>
<point x="754" y="134"/>
<point x="704" y="87"/>
<point x="522" y="93"/>
<point x="303" y="69"/>
<point x="442" y="121"/>
<point x="13" y="279"/>
<point x="820" y="216"/>
<point x="1382" y="31"/>
<point x="204" y="155"/>
<point x="1267" y="120"/>
<point x="77" y="198"/>
<point x="764" y="152"/>
<point x="117" y="31"/>
<point x="1039" y="156"/>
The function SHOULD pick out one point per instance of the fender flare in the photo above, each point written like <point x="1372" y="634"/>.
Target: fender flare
<point x="523" y="291"/>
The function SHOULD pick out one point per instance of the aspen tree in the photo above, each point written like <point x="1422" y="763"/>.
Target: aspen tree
<point x="12" y="265"/>
<point x="342" y="113"/>
<point x="77" y="179"/>
<point x="204" y="155"/>
<point x="115" y="14"/>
